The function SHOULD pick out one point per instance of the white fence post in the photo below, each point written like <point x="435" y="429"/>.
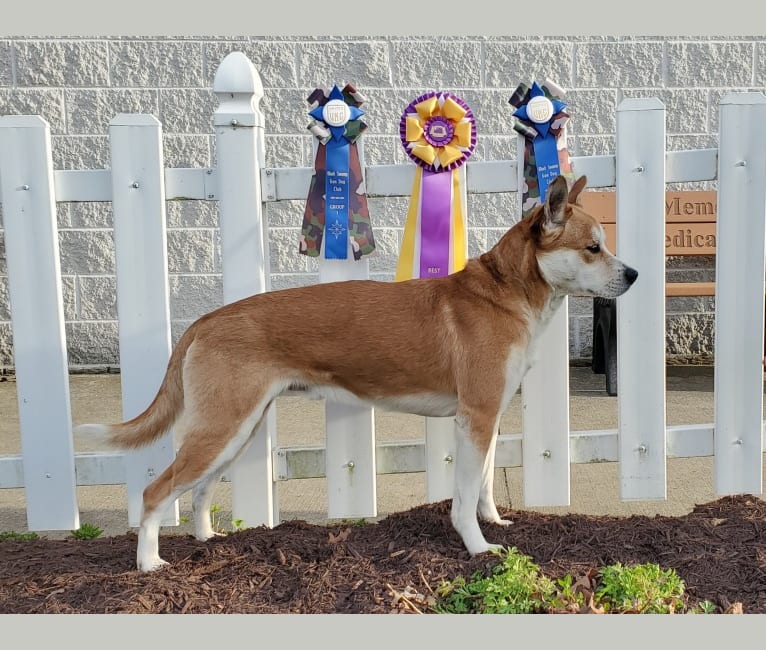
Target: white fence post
<point x="545" y="406"/>
<point x="37" y="316"/>
<point x="350" y="429"/>
<point x="739" y="321"/>
<point x="141" y="259"/>
<point x="641" y="311"/>
<point x="239" y="132"/>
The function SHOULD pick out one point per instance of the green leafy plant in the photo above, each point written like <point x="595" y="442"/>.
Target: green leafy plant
<point x="215" y="519"/>
<point x="238" y="524"/>
<point x="566" y="597"/>
<point x="515" y="586"/>
<point x="704" y="607"/>
<point x="353" y="522"/>
<point x="644" y="589"/>
<point x="87" y="531"/>
<point x="18" y="537"/>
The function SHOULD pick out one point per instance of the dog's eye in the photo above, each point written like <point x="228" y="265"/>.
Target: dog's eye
<point x="595" y="248"/>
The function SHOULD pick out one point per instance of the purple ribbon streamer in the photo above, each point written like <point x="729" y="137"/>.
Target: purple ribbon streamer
<point x="435" y="217"/>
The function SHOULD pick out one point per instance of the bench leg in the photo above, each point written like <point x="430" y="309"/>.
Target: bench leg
<point x="611" y="354"/>
<point x="604" y="355"/>
<point x="597" y="355"/>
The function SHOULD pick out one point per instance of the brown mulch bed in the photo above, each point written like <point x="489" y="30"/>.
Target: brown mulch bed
<point x="719" y="550"/>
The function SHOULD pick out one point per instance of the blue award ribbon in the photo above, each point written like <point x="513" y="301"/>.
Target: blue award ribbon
<point x="339" y="117"/>
<point x="544" y="140"/>
<point x="336" y="199"/>
<point x="547" y="160"/>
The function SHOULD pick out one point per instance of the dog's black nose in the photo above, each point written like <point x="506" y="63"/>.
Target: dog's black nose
<point x="630" y="274"/>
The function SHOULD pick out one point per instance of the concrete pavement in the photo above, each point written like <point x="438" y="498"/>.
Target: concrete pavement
<point x="594" y="487"/>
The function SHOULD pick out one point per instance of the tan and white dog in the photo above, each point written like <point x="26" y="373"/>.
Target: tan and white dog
<point x="451" y="346"/>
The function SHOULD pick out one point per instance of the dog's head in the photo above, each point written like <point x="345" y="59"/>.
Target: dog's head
<point x="571" y="246"/>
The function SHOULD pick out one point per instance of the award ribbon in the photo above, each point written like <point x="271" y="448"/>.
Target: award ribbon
<point x="438" y="132"/>
<point x="336" y="207"/>
<point x="540" y="118"/>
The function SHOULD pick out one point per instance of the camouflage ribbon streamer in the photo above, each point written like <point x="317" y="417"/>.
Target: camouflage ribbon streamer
<point x="359" y="227"/>
<point x="557" y="126"/>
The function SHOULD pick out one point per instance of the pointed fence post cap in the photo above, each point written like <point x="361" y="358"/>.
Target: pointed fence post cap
<point x="238" y="87"/>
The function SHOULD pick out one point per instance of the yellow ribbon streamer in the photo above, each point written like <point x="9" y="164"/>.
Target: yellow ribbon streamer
<point x="405" y="268"/>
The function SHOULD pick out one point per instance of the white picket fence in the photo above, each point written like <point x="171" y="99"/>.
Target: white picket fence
<point x="138" y="185"/>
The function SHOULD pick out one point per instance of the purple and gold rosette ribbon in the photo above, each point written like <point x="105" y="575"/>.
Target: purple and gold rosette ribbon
<point x="541" y="119"/>
<point x="438" y="132"/>
<point x="336" y="211"/>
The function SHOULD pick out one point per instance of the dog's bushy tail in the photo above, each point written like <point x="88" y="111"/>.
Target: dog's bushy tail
<point x="158" y="417"/>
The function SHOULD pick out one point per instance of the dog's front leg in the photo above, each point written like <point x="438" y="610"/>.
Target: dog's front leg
<point x="474" y="433"/>
<point x="487" y="508"/>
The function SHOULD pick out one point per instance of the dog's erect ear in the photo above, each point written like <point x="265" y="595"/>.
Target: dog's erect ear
<point x="579" y="186"/>
<point x="555" y="208"/>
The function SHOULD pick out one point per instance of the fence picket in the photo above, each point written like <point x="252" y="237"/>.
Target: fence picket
<point x="140" y="242"/>
<point x="545" y="408"/>
<point x="37" y="317"/>
<point x="239" y="135"/>
<point x="740" y="233"/>
<point x="641" y="311"/>
<point x="349" y="428"/>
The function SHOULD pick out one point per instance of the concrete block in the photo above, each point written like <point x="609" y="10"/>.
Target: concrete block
<point x="619" y="65"/>
<point x="156" y="63"/>
<point x="80" y="151"/>
<point x="191" y="296"/>
<point x="89" y="111"/>
<point x="46" y="102"/>
<point x="98" y="297"/>
<point x="283" y="251"/>
<point x="508" y="64"/>
<point x="62" y="63"/>
<point x="93" y="343"/>
<point x="186" y="150"/>
<point x="192" y="214"/>
<point x="86" y="252"/>
<point x="362" y="63"/>
<point x="190" y="250"/>
<point x="436" y="64"/>
<point x="276" y="62"/>
<point x="704" y="64"/>
<point x="5" y="306"/>
<point x="187" y="110"/>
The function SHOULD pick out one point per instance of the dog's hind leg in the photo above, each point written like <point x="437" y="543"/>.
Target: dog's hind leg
<point x="202" y="492"/>
<point x="202" y="501"/>
<point x="211" y="441"/>
<point x="474" y="433"/>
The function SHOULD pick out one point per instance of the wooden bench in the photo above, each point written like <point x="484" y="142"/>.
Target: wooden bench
<point x="690" y="230"/>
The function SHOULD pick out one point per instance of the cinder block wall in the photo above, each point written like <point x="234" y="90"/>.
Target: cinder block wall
<point x="79" y="84"/>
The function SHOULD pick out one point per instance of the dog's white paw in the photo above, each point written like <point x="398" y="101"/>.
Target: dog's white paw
<point x="485" y="548"/>
<point x="204" y="536"/>
<point x="502" y="522"/>
<point x="494" y="547"/>
<point x="151" y="564"/>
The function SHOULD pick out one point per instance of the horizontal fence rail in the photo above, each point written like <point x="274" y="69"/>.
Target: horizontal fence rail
<point x="290" y="183"/>
<point x="399" y="457"/>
